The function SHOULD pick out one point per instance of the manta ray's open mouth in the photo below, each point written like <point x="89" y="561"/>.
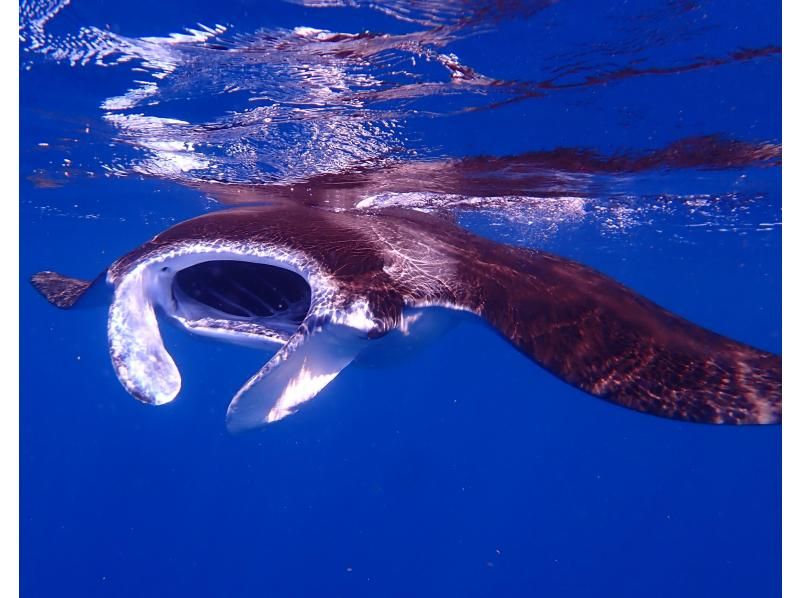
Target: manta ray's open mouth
<point x="243" y="291"/>
<point x="239" y="297"/>
<point x="228" y="295"/>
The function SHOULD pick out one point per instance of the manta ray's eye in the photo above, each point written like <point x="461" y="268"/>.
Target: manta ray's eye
<point x="245" y="289"/>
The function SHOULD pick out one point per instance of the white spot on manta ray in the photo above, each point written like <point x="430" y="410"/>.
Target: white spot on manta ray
<point x="358" y="316"/>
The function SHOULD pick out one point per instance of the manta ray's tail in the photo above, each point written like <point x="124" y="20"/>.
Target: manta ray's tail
<point x="604" y="338"/>
<point x="62" y="291"/>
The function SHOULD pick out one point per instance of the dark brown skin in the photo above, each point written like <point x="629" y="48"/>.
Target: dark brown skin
<point x="583" y="326"/>
<point x="604" y="338"/>
<point x="62" y="291"/>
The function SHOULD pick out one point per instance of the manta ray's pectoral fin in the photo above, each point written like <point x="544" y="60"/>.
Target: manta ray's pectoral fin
<point x="66" y="292"/>
<point x="307" y="363"/>
<point x="606" y="339"/>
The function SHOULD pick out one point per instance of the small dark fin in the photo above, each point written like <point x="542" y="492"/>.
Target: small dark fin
<point x="611" y="342"/>
<point x="62" y="291"/>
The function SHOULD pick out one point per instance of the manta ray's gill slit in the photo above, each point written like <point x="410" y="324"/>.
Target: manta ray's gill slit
<point x="245" y="289"/>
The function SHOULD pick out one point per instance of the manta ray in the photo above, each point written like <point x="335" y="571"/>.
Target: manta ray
<point x="323" y="287"/>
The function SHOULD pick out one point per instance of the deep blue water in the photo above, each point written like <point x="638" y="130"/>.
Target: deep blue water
<point x="465" y="470"/>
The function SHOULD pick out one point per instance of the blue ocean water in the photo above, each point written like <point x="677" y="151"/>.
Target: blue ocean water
<point x="641" y="138"/>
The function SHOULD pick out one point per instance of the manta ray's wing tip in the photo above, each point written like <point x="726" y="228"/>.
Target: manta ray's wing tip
<point x="249" y="414"/>
<point x="62" y="291"/>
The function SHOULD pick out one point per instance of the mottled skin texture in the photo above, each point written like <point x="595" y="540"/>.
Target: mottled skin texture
<point x="584" y="327"/>
<point x="62" y="291"/>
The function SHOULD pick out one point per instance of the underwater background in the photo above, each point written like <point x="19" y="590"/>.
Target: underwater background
<point x="642" y="138"/>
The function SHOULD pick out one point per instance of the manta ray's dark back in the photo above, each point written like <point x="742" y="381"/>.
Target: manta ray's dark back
<point x="598" y="335"/>
<point x="586" y="328"/>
